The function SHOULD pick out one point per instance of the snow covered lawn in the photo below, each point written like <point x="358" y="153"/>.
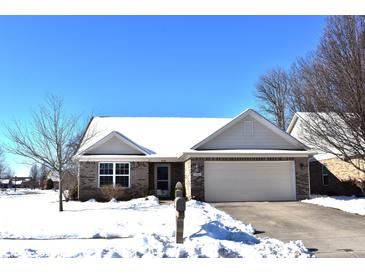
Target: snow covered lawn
<point x="349" y="204"/>
<point x="31" y="226"/>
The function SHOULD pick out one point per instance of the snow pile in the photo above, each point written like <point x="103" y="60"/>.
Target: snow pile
<point x="18" y="191"/>
<point x="31" y="226"/>
<point x="349" y="204"/>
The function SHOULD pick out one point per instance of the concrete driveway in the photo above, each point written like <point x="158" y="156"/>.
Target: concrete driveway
<point x="328" y="232"/>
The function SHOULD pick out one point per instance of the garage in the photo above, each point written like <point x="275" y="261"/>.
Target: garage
<point x="229" y="181"/>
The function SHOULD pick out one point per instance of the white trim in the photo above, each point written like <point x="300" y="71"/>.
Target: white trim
<point x="292" y="123"/>
<point x="121" y="137"/>
<point x="169" y="178"/>
<point x="110" y="175"/>
<point x="260" y="119"/>
<point x="245" y="153"/>
<point x="114" y="175"/>
<point x="126" y="158"/>
<point x="294" y="179"/>
<point x="324" y="166"/>
<point x="197" y="153"/>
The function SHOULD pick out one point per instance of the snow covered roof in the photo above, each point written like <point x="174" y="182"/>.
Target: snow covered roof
<point x="162" y="136"/>
<point x="298" y="128"/>
<point x="4" y="181"/>
<point x="165" y="137"/>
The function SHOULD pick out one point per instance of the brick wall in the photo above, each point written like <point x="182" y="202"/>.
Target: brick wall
<point x="302" y="178"/>
<point x="342" y="170"/>
<point x="194" y="185"/>
<point x="88" y="181"/>
<point x="338" y="178"/>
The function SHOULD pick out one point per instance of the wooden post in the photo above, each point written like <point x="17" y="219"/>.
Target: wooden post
<point x="180" y="206"/>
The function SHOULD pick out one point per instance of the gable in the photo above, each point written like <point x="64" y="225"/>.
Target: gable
<point x="115" y="144"/>
<point x="249" y="131"/>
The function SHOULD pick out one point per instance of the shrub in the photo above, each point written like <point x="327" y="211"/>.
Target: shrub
<point x="110" y="192"/>
<point x="360" y="184"/>
<point x="71" y="193"/>
<point x="48" y="184"/>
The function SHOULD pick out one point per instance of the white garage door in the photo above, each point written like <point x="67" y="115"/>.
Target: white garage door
<point x="249" y="181"/>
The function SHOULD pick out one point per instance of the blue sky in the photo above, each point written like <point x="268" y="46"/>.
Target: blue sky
<point x="196" y="66"/>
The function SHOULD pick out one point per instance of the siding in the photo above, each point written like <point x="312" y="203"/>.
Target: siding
<point x="234" y="138"/>
<point x="114" y="146"/>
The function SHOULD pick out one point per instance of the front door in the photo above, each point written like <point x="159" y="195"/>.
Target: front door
<point x="162" y="180"/>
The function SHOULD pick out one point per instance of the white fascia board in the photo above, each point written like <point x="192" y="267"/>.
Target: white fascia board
<point x="128" y="158"/>
<point x="292" y="123"/>
<point x="121" y="137"/>
<point x="252" y="153"/>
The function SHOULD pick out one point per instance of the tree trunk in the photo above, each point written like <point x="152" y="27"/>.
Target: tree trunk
<point x="60" y="192"/>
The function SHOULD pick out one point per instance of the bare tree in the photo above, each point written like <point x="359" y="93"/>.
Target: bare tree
<point x="43" y="173"/>
<point x="34" y="173"/>
<point x="9" y="173"/>
<point x="46" y="139"/>
<point x="3" y="165"/>
<point x="273" y="91"/>
<point x="330" y="86"/>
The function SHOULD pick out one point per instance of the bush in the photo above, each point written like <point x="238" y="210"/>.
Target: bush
<point x="360" y="184"/>
<point x="74" y="193"/>
<point x="111" y="192"/>
<point x="48" y="184"/>
<point x="71" y="193"/>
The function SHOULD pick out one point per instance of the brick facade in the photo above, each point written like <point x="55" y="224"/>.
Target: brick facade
<point x="190" y="173"/>
<point x="302" y="178"/>
<point x="194" y="185"/>
<point x="142" y="182"/>
<point x="88" y="181"/>
<point x="340" y="175"/>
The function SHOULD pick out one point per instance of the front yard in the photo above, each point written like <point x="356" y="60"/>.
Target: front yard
<point x="349" y="204"/>
<point x="32" y="227"/>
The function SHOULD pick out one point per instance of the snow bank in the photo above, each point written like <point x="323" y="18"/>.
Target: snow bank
<point x="137" y="228"/>
<point x="349" y="204"/>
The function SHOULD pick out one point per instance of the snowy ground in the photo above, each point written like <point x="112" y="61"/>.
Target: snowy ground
<point x="31" y="226"/>
<point x="350" y="204"/>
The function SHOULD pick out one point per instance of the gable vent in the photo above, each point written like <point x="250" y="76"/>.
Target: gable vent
<point x="248" y="128"/>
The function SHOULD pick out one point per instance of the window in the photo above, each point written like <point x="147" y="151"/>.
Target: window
<point x="122" y="174"/>
<point x="247" y="128"/>
<point x="106" y="174"/>
<point x="325" y="174"/>
<point x="113" y="174"/>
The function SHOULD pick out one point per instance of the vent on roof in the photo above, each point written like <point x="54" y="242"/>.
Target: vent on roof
<point x="247" y="128"/>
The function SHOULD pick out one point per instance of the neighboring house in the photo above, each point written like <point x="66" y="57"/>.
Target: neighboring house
<point x="27" y="183"/>
<point x="4" y="183"/>
<point x="52" y="180"/>
<point x="329" y="175"/>
<point x="18" y="182"/>
<point x="246" y="158"/>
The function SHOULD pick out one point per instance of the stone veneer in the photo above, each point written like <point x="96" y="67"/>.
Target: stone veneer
<point x="88" y="181"/>
<point x="194" y="174"/>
